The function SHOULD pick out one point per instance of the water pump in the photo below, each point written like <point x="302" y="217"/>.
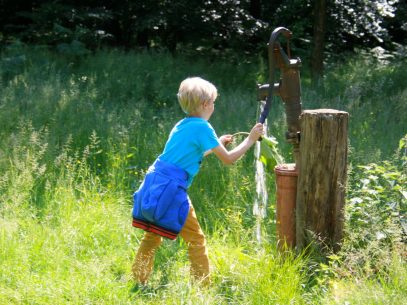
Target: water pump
<point x="288" y="87"/>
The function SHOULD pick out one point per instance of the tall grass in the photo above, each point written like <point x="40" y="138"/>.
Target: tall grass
<point x="76" y="136"/>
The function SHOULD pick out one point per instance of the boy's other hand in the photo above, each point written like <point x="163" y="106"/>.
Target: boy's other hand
<point x="256" y="132"/>
<point x="226" y="139"/>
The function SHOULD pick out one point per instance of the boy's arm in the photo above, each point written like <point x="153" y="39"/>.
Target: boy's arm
<point x="225" y="140"/>
<point x="229" y="157"/>
<point x="208" y="152"/>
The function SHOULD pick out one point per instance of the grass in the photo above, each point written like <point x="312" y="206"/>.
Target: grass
<point x="387" y="289"/>
<point x="76" y="136"/>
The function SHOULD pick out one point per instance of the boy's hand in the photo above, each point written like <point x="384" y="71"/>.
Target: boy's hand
<point x="256" y="132"/>
<point x="226" y="139"/>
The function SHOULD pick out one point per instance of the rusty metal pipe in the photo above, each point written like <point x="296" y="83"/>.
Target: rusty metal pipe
<point x="286" y="182"/>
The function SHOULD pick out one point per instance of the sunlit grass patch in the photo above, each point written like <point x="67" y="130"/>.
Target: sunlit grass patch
<point x="257" y="274"/>
<point x="390" y="288"/>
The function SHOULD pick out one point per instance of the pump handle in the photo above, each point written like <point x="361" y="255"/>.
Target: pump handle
<point x="273" y="44"/>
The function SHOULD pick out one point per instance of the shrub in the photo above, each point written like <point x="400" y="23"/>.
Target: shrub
<point x="375" y="215"/>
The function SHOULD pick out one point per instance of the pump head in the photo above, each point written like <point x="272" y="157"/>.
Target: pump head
<point x="288" y="87"/>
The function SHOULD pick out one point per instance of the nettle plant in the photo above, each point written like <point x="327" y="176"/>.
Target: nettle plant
<point x="375" y="214"/>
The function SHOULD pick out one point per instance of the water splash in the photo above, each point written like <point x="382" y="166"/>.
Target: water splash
<point x="260" y="201"/>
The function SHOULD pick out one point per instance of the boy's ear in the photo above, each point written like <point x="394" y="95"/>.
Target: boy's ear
<point x="207" y="103"/>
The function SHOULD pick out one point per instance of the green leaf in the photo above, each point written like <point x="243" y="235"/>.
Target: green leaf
<point x="269" y="154"/>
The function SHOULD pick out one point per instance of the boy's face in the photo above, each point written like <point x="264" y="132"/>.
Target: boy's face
<point x="208" y="109"/>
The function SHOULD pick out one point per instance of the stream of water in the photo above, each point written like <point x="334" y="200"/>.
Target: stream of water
<point x="260" y="201"/>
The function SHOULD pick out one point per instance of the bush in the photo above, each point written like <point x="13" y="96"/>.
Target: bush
<point x="375" y="215"/>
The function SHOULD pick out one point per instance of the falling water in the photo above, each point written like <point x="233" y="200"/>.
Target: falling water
<point x="260" y="201"/>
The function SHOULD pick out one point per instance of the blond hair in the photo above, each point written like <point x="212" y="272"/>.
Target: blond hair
<point x="193" y="92"/>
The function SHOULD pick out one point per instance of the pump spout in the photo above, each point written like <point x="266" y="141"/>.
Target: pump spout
<point x="288" y="86"/>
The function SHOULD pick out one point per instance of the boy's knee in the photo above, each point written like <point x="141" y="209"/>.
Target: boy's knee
<point x="197" y="248"/>
<point x="199" y="241"/>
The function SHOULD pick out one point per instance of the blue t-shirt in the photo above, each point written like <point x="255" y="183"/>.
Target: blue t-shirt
<point x="188" y="141"/>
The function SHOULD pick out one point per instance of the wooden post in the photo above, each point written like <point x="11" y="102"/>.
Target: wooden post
<point x="322" y="177"/>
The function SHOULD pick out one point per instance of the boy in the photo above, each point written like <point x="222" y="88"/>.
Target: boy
<point x="161" y="205"/>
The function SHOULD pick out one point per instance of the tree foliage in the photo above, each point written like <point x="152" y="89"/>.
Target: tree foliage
<point x="363" y="22"/>
<point x="216" y="25"/>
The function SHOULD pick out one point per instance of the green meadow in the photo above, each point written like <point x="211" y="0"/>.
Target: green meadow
<point x="78" y="134"/>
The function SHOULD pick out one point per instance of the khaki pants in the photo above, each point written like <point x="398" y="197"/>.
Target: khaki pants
<point x="197" y="252"/>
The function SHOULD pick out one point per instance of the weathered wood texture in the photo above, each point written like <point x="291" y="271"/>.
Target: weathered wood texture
<point x="322" y="177"/>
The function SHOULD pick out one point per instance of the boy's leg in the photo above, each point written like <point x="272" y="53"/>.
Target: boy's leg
<point x="198" y="254"/>
<point x="144" y="261"/>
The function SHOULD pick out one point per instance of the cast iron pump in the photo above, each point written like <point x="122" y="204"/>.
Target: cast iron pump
<point x="288" y="87"/>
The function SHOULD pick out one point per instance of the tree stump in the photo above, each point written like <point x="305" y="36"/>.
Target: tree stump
<point x="322" y="177"/>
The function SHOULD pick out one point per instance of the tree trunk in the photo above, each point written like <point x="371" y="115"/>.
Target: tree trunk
<point x="317" y="56"/>
<point x="322" y="177"/>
